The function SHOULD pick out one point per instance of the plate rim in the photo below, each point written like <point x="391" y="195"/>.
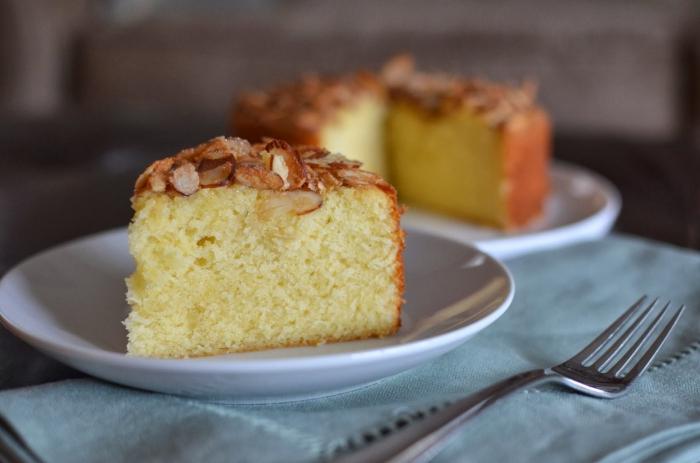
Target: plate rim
<point x="592" y="226"/>
<point x="226" y="364"/>
<point x="611" y="208"/>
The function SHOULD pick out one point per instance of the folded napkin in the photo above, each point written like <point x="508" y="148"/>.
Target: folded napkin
<point x="563" y="299"/>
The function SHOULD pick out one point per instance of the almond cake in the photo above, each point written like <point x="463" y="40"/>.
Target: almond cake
<point x="467" y="148"/>
<point x="242" y="247"/>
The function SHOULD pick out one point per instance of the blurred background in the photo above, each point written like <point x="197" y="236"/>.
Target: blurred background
<point x="91" y="90"/>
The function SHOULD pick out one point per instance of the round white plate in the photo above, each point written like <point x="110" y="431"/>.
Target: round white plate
<point x="69" y="303"/>
<point x="582" y="206"/>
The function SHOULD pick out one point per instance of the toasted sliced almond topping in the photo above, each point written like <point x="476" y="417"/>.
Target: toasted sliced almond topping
<point x="266" y="159"/>
<point x="157" y="182"/>
<point x="256" y="176"/>
<point x="312" y="181"/>
<point x="287" y="158"/>
<point x="216" y="154"/>
<point x="218" y="148"/>
<point x="279" y="166"/>
<point x="335" y="160"/>
<point x="356" y="177"/>
<point x="305" y="201"/>
<point x="215" y="175"/>
<point x="311" y="152"/>
<point x="272" y="165"/>
<point x="185" y="179"/>
<point x="240" y="147"/>
<point x="143" y="180"/>
<point x="328" y="179"/>
<point x="160" y="167"/>
<point x="297" y="202"/>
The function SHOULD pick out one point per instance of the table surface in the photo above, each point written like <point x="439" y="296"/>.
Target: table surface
<point x="63" y="178"/>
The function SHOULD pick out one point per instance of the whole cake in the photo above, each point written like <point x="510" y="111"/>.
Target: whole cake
<point x="242" y="247"/>
<point x="467" y="148"/>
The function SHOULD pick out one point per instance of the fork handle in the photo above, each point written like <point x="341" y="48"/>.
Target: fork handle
<point x="422" y="441"/>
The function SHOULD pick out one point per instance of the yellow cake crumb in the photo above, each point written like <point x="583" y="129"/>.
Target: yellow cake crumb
<point x="216" y="274"/>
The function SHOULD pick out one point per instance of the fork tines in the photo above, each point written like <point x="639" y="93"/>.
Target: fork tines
<point x="632" y="340"/>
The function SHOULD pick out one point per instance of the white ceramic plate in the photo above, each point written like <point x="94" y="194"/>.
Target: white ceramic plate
<point x="69" y="303"/>
<point x="582" y="206"/>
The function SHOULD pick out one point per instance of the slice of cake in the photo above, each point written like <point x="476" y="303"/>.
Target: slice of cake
<point x="470" y="149"/>
<point x="241" y="247"/>
<point x="467" y="148"/>
<point x="342" y="114"/>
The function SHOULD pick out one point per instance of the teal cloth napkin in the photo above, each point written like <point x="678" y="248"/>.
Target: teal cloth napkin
<point x="563" y="299"/>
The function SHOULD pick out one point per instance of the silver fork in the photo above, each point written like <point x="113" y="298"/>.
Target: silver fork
<point x="605" y="368"/>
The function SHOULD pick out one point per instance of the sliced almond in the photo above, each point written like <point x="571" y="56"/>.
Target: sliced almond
<point x="218" y="148"/>
<point x="272" y="144"/>
<point x="305" y="201"/>
<point x="279" y="166"/>
<point x="335" y="160"/>
<point x="143" y="181"/>
<point x="312" y="181"/>
<point x="163" y="165"/>
<point x="215" y="175"/>
<point x="185" y="179"/>
<point x="266" y="159"/>
<point x="295" y="175"/>
<point x="250" y="160"/>
<point x="160" y="168"/>
<point x="256" y="176"/>
<point x="297" y="202"/>
<point x="328" y="179"/>
<point x="216" y="155"/>
<point x="356" y="177"/>
<point x="239" y="146"/>
<point x="311" y="152"/>
<point x="157" y="182"/>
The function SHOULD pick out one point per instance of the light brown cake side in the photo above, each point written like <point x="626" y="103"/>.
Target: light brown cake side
<point x="526" y="151"/>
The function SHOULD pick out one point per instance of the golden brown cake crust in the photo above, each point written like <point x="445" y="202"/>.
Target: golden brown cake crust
<point x="439" y="93"/>
<point x="296" y="112"/>
<point x="526" y="153"/>
<point x="270" y="165"/>
<point x="400" y="240"/>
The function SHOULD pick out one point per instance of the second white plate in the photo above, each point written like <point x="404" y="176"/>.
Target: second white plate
<point x="582" y="206"/>
<point x="69" y="302"/>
